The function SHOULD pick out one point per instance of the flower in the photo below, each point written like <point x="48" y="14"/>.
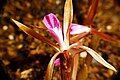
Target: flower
<point x="62" y="37"/>
<point x="53" y="25"/>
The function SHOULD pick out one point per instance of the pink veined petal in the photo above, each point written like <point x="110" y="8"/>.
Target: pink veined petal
<point x="77" y="29"/>
<point x="51" y="21"/>
<point x="53" y="25"/>
<point x="57" y="62"/>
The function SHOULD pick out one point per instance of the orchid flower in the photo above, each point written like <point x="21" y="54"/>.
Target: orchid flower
<point x="62" y="36"/>
<point x="54" y="28"/>
<point x="53" y="25"/>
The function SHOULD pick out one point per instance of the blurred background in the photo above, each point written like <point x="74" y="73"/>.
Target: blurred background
<point x="25" y="58"/>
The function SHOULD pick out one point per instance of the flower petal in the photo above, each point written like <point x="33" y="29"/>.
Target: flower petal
<point x="98" y="58"/>
<point x="57" y="62"/>
<point x="31" y="32"/>
<point x="75" y="49"/>
<point x="51" y="21"/>
<point x="67" y="20"/>
<point x="77" y="29"/>
<point x="53" y="25"/>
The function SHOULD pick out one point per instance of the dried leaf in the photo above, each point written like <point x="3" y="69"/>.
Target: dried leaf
<point x="26" y="73"/>
<point x="98" y="58"/>
<point x="68" y="16"/>
<point x="49" y="72"/>
<point x="29" y="31"/>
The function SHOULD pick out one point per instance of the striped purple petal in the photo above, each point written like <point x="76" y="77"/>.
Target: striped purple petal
<point x="53" y="25"/>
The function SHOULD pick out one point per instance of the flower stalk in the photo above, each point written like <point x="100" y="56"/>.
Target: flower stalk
<point x="65" y="64"/>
